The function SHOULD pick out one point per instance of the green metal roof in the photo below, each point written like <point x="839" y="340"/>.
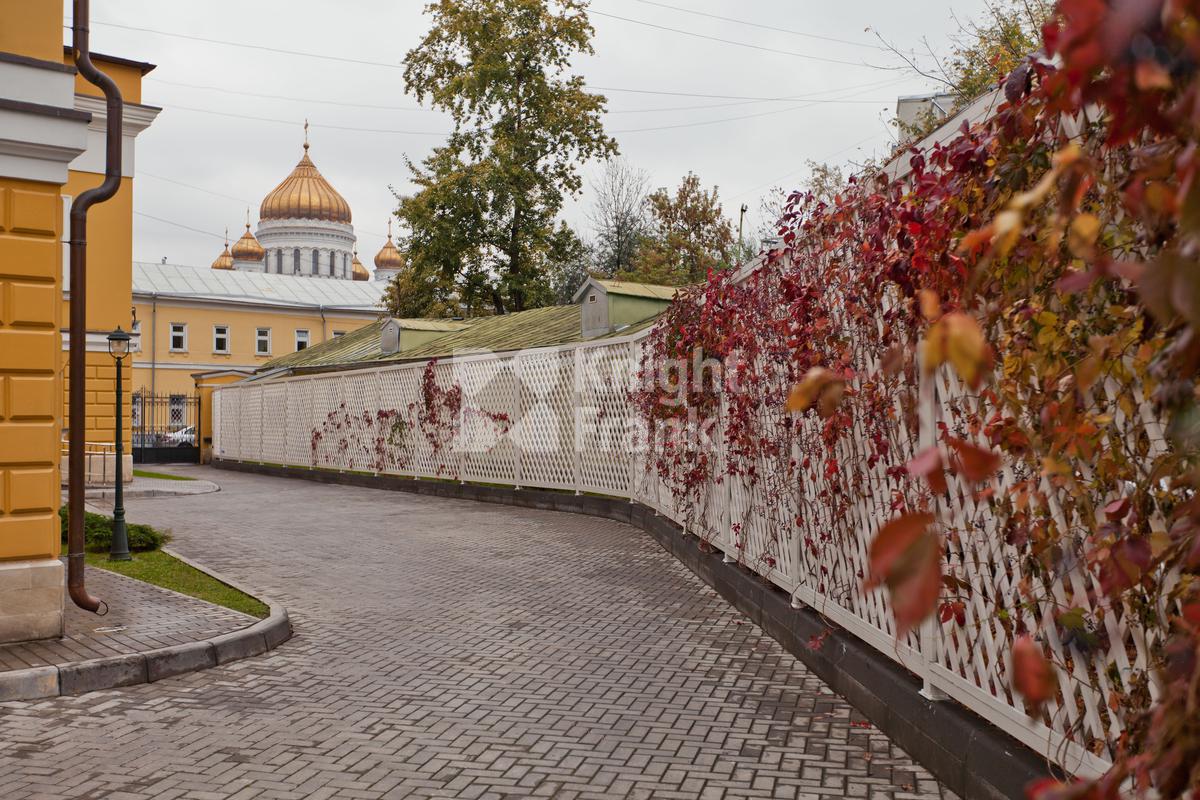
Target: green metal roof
<point x="632" y="289"/>
<point x="444" y="325"/>
<point x="348" y="347"/>
<point x="539" y="327"/>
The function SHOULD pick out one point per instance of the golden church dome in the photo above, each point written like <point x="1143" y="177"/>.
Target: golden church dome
<point x="357" y="271"/>
<point x="225" y="260"/>
<point x="247" y="248"/>
<point x="305" y="194"/>
<point x="388" y="256"/>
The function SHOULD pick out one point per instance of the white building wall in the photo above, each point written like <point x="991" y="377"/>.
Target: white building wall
<point x="283" y="239"/>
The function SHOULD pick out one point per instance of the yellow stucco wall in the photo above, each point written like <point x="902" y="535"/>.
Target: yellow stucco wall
<point x="127" y="77"/>
<point x="109" y="253"/>
<point x="173" y="372"/>
<point x="30" y="355"/>
<point x="32" y="29"/>
<point x="109" y="299"/>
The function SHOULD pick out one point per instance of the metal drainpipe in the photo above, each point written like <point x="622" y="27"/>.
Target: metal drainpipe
<point x="78" y="327"/>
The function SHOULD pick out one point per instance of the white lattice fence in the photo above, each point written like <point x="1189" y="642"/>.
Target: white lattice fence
<point x="971" y="661"/>
<point x="561" y="418"/>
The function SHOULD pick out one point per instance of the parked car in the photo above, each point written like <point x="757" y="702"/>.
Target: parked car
<point x="184" y="437"/>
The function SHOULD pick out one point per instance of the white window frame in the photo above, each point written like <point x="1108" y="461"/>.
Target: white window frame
<point x="183" y="331"/>
<point x="338" y="334"/>
<point x="258" y="340"/>
<point x="302" y="334"/>
<point x="227" y="348"/>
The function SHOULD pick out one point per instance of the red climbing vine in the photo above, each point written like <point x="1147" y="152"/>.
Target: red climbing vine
<point x="379" y="440"/>
<point x="1035" y="279"/>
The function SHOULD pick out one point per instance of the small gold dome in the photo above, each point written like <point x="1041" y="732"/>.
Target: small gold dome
<point x="247" y="248"/>
<point x="357" y="271"/>
<point x="305" y="194"/>
<point x="388" y="256"/>
<point x="225" y="260"/>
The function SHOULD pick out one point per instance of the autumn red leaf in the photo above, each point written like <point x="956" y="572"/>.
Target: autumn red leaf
<point x="1033" y="676"/>
<point x="931" y="306"/>
<point x="1127" y="561"/>
<point x="819" y="386"/>
<point x="906" y="556"/>
<point x="1117" y="509"/>
<point x="928" y="464"/>
<point x="956" y="611"/>
<point x="957" y="338"/>
<point x="974" y="241"/>
<point x="972" y="462"/>
<point x="1149" y="75"/>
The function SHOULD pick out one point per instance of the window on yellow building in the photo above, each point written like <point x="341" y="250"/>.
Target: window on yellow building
<point x="301" y="339"/>
<point x="338" y="334"/>
<point x="178" y="337"/>
<point x="262" y="341"/>
<point x="221" y="339"/>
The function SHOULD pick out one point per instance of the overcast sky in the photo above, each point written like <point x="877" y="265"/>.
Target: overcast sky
<point x="204" y="139"/>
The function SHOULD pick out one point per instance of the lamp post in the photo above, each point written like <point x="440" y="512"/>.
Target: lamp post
<point x="118" y="348"/>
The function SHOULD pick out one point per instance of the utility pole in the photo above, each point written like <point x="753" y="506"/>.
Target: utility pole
<point x="741" y="224"/>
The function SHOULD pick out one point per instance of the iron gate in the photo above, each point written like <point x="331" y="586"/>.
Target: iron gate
<point x="166" y="428"/>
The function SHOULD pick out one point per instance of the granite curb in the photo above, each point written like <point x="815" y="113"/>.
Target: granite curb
<point x="973" y="758"/>
<point x="149" y="666"/>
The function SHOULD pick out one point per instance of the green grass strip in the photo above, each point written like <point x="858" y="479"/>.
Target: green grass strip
<point x="162" y="476"/>
<point x="162" y="569"/>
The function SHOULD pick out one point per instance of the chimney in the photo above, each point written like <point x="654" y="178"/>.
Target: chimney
<point x="389" y="337"/>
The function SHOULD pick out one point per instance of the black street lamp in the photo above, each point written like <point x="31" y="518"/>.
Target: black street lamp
<point x="118" y="348"/>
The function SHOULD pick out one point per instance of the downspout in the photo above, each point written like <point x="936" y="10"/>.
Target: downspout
<point x="78" y="327"/>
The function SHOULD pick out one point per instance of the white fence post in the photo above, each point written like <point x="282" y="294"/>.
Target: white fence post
<point x="630" y="425"/>
<point x="378" y="393"/>
<point x="928" y="438"/>
<point x="577" y="426"/>
<point x="287" y="433"/>
<point x="517" y="421"/>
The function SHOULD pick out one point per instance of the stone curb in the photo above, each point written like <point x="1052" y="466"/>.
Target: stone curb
<point x="971" y="757"/>
<point x="95" y="674"/>
<point x="149" y="494"/>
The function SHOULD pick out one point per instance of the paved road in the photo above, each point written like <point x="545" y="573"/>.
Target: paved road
<point x="452" y="649"/>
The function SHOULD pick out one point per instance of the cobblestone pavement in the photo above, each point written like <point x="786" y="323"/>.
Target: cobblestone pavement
<point x="141" y="617"/>
<point x="446" y="648"/>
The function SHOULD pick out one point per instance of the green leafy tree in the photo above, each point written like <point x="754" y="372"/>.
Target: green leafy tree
<point x="689" y="236"/>
<point x="444" y="261"/>
<point x="522" y="126"/>
<point x="571" y="263"/>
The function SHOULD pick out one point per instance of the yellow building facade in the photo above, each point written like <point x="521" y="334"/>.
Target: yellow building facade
<point x="239" y="323"/>
<point x="296" y="284"/>
<point x="48" y="154"/>
<point x="110" y="254"/>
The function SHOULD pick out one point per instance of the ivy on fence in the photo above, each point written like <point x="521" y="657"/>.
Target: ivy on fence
<point x="378" y="440"/>
<point x="1030" y="287"/>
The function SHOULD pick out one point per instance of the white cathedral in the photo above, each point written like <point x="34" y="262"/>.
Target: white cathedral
<point x="304" y="228"/>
